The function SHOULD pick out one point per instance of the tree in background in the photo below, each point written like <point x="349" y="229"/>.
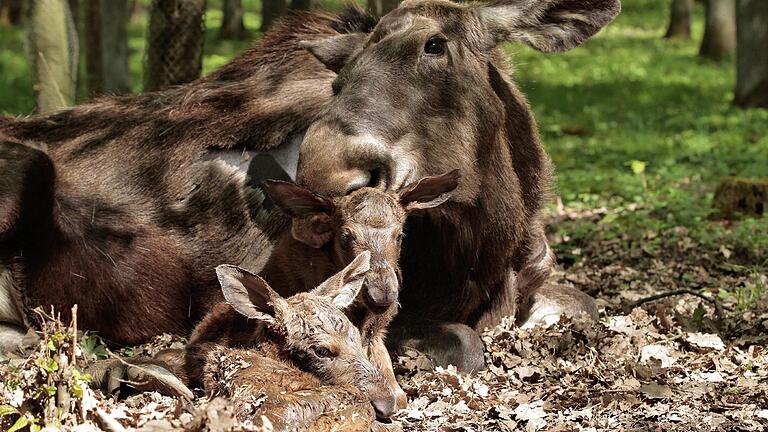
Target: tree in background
<point x="232" y="25"/>
<point x="752" y="53"/>
<point x="53" y="53"/>
<point x="175" y="43"/>
<point x="720" y="30"/>
<point x="11" y="11"/>
<point x="382" y="7"/>
<point x="106" y="46"/>
<point x="680" y="20"/>
<point x="271" y="10"/>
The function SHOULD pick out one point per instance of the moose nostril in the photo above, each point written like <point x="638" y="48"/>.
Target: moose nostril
<point x="358" y="181"/>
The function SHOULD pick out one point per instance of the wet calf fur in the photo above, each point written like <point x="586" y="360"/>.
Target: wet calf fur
<point x="304" y="353"/>
<point x="326" y="235"/>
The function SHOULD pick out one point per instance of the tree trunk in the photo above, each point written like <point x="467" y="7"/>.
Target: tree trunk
<point x="11" y="11"/>
<point x="301" y="4"/>
<point x="271" y="10"/>
<point x="752" y="53"/>
<point x="106" y="46"/>
<point x="382" y="7"/>
<point x="680" y="20"/>
<point x="74" y="9"/>
<point x="54" y="50"/>
<point x="175" y="43"/>
<point x="720" y="32"/>
<point x="232" y="26"/>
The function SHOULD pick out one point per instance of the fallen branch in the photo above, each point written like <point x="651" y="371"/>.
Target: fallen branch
<point x="716" y="303"/>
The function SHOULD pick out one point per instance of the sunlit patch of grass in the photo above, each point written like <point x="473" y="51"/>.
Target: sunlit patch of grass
<point x="629" y="95"/>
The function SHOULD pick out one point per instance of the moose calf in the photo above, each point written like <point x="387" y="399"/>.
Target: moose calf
<point x="327" y="233"/>
<point x="307" y="368"/>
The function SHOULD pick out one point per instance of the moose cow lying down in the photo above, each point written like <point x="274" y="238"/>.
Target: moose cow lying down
<point x="122" y="206"/>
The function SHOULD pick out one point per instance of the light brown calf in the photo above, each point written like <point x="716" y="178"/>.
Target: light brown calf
<point x="306" y="366"/>
<point x="329" y="232"/>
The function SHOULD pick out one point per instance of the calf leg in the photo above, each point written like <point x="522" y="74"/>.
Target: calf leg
<point x="442" y="341"/>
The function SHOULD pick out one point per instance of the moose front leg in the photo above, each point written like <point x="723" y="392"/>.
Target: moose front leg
<point x="444" y="342"/>
<point x="534" y="301"/>
<point x="377" y="352"/>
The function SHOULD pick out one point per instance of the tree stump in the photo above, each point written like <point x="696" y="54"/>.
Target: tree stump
<point x="747" y="196"/>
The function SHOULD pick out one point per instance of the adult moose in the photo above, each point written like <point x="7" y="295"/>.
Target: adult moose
<point x="118" y="206"/>
<point x="427" y="90"/>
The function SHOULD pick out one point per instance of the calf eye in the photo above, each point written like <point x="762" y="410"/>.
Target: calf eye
<point x="434" y="46"/>
<point x="323" y="352"/>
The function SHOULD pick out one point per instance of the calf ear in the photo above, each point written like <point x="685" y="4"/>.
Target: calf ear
<point x="310" y="212"/>
<point x="248" y="294"/>
<point x="344" y="286"/>
<point x="335" y="51"/>
<point x="546" y="25"/>
<point x="296" y="201"/>
<point x="429" y="192"/>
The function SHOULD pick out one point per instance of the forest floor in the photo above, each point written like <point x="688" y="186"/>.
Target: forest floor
<point x="693" y="360"/>
<point x="641" y="131"/>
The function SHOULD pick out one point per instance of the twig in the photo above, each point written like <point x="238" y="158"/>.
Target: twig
<point x="718" y="306"/>
<point x="74" y="334"/>
<point x="107" y="422"/>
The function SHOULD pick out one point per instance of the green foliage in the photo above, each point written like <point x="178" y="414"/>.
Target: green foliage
<point x="93" y="347"/>
<point x="643" y="127"/>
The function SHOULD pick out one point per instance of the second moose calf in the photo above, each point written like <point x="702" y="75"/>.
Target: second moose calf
<point x="305" y="368"/>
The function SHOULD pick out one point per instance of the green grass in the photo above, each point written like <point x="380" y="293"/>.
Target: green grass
<point x="626" y="96"/>
<point x="631" y="96"/>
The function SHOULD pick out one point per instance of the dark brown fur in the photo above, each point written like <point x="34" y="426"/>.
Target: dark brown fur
<point x="122" y="213"/>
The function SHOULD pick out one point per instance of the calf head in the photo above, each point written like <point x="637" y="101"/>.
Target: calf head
<point x="311" y="330"/>
<point x="367" y="219"/>
<point x="422" y="93"/>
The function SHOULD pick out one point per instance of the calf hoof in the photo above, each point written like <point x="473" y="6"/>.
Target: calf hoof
<point x="445" y="343"/>
<point x="140" y="374"/>
<point x="549" y="303"/>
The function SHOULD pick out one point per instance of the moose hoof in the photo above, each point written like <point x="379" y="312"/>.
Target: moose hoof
<point x="551" y="302"/>
<point x="141" y="374"/>
<point x="446" y="344"/>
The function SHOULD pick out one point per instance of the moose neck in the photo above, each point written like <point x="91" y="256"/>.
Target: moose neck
<point x="457" y="245"/>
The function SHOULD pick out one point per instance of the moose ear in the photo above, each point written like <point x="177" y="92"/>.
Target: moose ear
<point x="248" y="294"/>
<point x="546" y="25"/>
<point x="335" y="51"/>
<point x="429" y="192"/>
<point x="344" y="286"/>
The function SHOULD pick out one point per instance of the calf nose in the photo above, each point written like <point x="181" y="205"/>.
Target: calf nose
<point x="384" y="407"/>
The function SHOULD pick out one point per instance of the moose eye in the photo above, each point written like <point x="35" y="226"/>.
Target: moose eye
<point x="400" y="237"/>
<point x="434" y="46"/>
<point x="323" y="352"/>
